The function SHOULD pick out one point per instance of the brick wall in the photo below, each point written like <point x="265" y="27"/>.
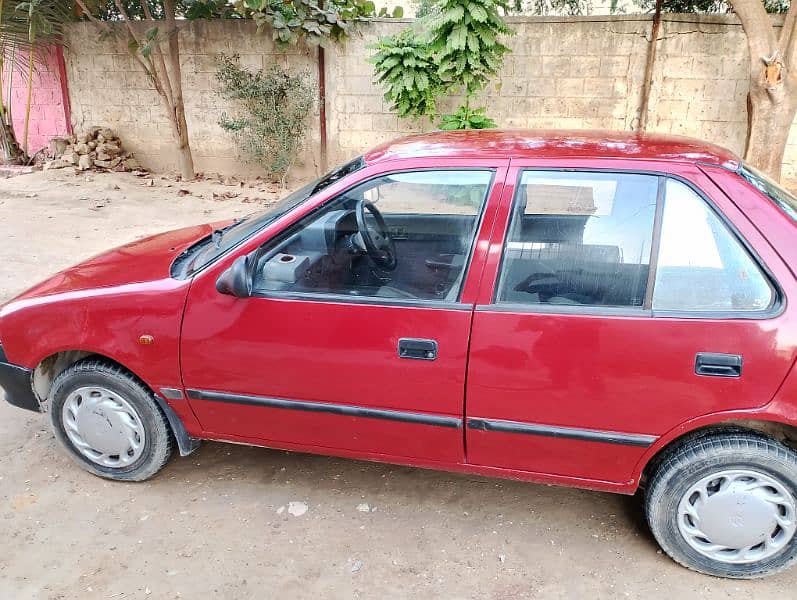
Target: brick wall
<point x="565" y="72"/>
<point x="47" y="113"/>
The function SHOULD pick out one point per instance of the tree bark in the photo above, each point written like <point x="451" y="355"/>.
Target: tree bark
<point x="772" y="98"/>
<point x="769" y="120"/>
<point x="185" y="158"/>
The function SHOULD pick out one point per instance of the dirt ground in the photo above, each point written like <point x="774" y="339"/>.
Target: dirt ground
<point x="239" y="522"/>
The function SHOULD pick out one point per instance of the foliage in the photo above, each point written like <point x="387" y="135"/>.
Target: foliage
<point x="707" y="6"/>
<point x="408" y="71"/>
<point x="313" y="20"/>
<point x="273" y="106"/>
<point x="546" y="7"/>
<point x="467" y="118"/>
<point x="465" y="42"/>
<point x="458" y="54"/>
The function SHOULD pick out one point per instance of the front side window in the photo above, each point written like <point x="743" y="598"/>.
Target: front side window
<point x="701" y="265"/>
<point x="400" y="236"/>
<point x="579" y="238"/>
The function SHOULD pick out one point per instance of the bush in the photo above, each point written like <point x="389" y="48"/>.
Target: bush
<point x="271" y="111"/>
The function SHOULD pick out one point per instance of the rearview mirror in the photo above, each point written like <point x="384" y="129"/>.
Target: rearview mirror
<point x="237" y="279"/>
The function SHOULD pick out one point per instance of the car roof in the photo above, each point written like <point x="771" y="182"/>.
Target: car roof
<point x="520" y="143"/>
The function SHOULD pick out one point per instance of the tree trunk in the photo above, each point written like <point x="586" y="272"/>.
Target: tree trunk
<point x="186" y="160"/>
<point x="770" y="116"/>
<point x="11" y="153"/>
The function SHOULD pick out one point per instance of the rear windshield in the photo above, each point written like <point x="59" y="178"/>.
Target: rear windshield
<point x="785" y="200"/>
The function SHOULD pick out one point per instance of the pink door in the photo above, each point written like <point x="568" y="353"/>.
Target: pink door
<point x="615" y="306"/>
<point x="338" y="349"/>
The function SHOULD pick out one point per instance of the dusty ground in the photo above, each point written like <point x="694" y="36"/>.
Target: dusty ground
<point x="219" y="523"/>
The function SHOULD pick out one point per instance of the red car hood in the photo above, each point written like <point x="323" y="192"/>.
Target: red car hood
<point x="148" y="259"/>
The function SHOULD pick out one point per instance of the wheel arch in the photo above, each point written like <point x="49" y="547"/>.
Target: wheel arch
<point x="767" y="425"/>
<point x="51" y="366"/>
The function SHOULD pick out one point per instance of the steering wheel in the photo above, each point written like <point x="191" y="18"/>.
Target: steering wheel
<point x="379" y="246"/>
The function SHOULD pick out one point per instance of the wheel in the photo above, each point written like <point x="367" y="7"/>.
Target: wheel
<point x="109" y="422"/>
<point x="725" y="505"/>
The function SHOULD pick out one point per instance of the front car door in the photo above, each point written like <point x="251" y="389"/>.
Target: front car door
<point x="617" y="305"/>
<point x="340" y="349"/>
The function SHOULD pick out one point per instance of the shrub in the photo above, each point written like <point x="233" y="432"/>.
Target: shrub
<point x="271" y="113"/>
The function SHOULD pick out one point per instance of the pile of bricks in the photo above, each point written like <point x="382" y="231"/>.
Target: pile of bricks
<point x="96" y="148"/>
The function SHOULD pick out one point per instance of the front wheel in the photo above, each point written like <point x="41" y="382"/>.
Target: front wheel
<point x="726" y="505"/>
<point x="109" y="422"/>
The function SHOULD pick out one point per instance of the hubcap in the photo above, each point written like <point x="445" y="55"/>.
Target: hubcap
<point x="737" y="516"/>
<point x="103" y="427"/>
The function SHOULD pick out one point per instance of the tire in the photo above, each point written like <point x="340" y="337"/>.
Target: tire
<point x="728" y="486"/>
<point x="135" y="424"/>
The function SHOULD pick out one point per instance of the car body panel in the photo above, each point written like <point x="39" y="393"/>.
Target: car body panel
<point x="602" y="394"/>
<point x="603" y="372"/>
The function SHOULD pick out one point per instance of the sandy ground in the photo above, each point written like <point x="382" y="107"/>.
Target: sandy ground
<point x="220" y="523"/>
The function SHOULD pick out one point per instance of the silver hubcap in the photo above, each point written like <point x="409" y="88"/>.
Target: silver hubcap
<point x="103" y="427"/>
<point x="737" y="516"/>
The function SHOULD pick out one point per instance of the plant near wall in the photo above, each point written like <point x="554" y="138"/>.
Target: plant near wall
<point x="272" y="110"/>
<point x="456" y="50"/>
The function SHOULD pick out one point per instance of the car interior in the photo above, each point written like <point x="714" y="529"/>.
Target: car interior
<point x="416" y="249"/>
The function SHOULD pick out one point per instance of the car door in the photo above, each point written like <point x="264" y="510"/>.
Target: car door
<point x="334" y="353"/>
<point x="617" y="305"/>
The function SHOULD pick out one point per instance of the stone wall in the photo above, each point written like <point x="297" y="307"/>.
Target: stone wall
<point x="564" y="72"/>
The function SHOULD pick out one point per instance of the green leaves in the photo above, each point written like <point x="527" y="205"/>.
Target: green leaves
<point x="466" y="118"/>
<point x="458" y="55"/>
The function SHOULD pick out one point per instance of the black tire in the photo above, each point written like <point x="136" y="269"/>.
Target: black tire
<point x="158" y="439"/>
<point x="701" y="457"/>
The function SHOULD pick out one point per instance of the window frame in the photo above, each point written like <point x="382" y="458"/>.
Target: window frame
<point x="775" y="309"/>
<point x="270" y="244"/>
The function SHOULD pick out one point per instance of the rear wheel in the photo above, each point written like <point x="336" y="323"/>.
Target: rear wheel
<point x="109" y="422"/>
<point x="726" y="505"/>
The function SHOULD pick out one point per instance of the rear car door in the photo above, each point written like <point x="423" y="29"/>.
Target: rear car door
<point x="333" y="354"/>
<point x="617" y="305"/>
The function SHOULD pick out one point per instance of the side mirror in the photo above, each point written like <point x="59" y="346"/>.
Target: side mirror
<point x="237" y="279"/>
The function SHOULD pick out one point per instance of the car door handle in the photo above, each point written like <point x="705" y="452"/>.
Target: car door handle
<point x="417" y="348"/>
<point x="718" y="365"/>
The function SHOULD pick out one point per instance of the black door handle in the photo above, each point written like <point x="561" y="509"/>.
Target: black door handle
<point x="718" y="365"/>
<point x="417" y="349"/>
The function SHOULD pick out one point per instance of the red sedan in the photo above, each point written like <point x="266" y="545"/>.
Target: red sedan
<point x="605" y="311"/>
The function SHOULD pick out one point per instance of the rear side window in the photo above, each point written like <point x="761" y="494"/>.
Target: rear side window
<point x="702" y="266"/>
<point x="579" y="238"/>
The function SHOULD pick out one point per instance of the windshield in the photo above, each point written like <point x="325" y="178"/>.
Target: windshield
<point x="786" y="201"/>
<point x="211" y="247"/>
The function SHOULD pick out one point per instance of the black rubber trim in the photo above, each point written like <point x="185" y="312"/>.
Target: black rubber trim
<point x="336" y="409"/>
<point x="15" y="381"/>
<point x="572" y="433"/>
<point x="172" y="393"/>
<point x="185" y="442"/>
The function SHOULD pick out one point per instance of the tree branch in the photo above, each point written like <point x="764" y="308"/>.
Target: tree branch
<point x="159" y="55"/>
<point x="788" y="38"/>
<point x="761" y="38"/>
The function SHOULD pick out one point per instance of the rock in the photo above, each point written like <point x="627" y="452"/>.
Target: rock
<point x="82" y="148"/>
<point x="58" y="146"/>
<point x="108" y="148"/>
<point x="55" y="164"/>
<point x="84" y="162"/>
<point x="103" y="156"/>
<point x="93" y="131"/>
<point x="131" y="164"/>
<point x="297" y="509"/>
<point x="84" y="138"/>
<point x="106" y="133"/>
<point x="92" y="145"/>
<point x="71" y="157"/>
<point x="107" y="164"/>
<point x="358" y="564"/>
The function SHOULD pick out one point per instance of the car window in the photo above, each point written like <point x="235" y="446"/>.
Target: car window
<point x="579" y="238"/>
<point x="421" y="226"/>
<point x="702" y="266"/>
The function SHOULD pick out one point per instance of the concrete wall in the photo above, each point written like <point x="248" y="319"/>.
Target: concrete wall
<point x="564" y="72"/>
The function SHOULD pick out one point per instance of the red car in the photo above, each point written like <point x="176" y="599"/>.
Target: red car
<point x="605" y="311"/>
